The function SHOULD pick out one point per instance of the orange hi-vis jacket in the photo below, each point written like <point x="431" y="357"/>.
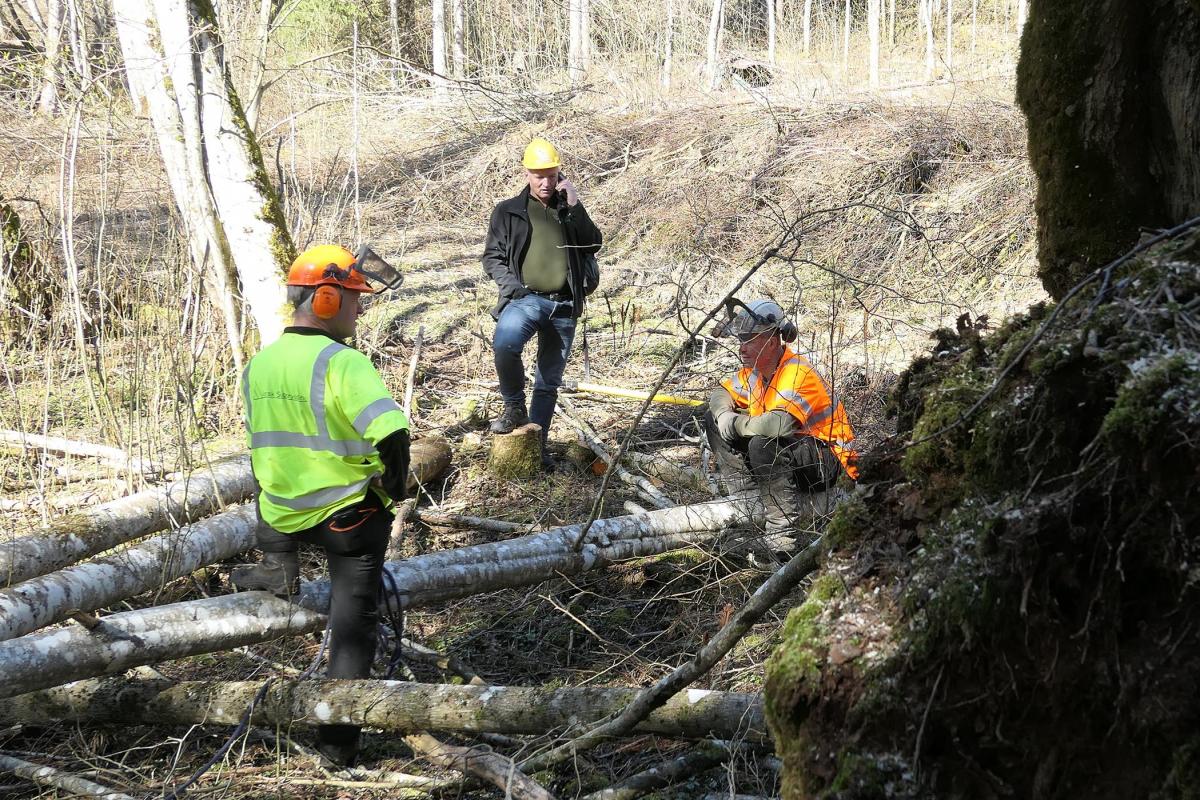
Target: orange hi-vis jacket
<point x="797" y="389"/>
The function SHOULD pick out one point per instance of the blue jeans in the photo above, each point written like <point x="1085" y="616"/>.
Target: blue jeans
<point x="555" y="329"/>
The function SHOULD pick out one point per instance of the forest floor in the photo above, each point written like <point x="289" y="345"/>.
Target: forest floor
<point x="895" y="219"/>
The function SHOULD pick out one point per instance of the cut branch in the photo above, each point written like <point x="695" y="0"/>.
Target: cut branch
<point x="48" y="776"/>
<point x="113" y="456"/>
<point x="492" y="767"/>
<point x="387" y="705"/>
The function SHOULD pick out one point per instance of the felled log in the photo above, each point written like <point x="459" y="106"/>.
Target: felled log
<point x="149" y="636"/>
<point x="179" y="630"/>
<point x="113" y="456"/>
<point x="429" y="458"/>
<point x="48" y="776"/>
<point x="388" y="705"/>
<point x="40" y="601"/>
<point x="77" y="536"/>
<point x="517" y="454"/>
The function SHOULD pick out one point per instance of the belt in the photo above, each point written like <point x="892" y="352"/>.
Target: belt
<point x="558" y="297"/>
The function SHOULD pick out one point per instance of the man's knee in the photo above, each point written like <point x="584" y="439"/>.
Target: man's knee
<point x="765" y="452"/>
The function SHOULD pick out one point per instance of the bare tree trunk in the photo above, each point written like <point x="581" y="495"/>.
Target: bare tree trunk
<point x="42" y="601"/>
<point x="668" y="47"/>
<point x="458" y="9"/>
<point x="48" y="102"/>
<point x="807" y="26"/>
<point x="771" y="32"/>
<point x="235" y="226"/>
<point x="846" y="45"/>
<point x="77" y="38"/>
<point x="262" y="37"/>
<point x="1022" y="12"/>
<point x="113" y="456"/>
<point x="873" y="13"/>
<point x="389" y="705"/>
<point x="891" y="23"/>
<point x="97" y="529"/>
<point x="48" y="776"/>
<point x="394" y="26"/>
<point x="925" y="9"/>
<point x="712" y="69"/>
<point x="575" y="40"/>
<point x="439" y="43"/>
<point x="585" y="33"/>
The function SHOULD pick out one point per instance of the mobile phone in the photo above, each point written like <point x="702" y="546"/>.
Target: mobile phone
<point x="562" y="193"/>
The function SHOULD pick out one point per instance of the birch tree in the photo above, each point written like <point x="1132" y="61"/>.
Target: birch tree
<point x="575" y="39"/>
<point x="235" y="229"/>
<point x="459" y="50"/>
<point x="585" y="33"/>
<point x="52" y="30"/>
<point x="807" y="24"/>
<point x="714" y="34"/>
<point x="846" y="43"/>
<point x="925" y="12"/>
<point x="439" y="43"/>
<point x="873" y="9"/>
<point x="771" y="32"/>
<point x="1021" y="13"/>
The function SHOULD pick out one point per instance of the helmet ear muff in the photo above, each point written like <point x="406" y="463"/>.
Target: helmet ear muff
<point x="787" y="331"/>
<point x="327" y="302"/>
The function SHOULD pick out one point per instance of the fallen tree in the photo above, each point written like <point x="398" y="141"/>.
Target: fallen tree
<point x="387" y="705"/>
<point x="19" y="441"/>
<point x="80" y="535"/>
<point x="48" y="776"/>
<point x="47" y="599"/>
<point x="175" y="631"/>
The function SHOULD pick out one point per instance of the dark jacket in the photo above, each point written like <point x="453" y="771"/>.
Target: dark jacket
<point x="508" y="241"/>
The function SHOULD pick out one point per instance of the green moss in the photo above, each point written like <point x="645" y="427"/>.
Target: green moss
<point x="871" y="776"/>
<point x="1161" y="396"/>
<point x="850" y="521"/>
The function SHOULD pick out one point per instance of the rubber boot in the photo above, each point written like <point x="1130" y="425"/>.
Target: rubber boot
<point x="278" y="573"/>
<point x="512" y="417"/>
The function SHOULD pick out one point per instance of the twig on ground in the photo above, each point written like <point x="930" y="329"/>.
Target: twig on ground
<point x="706" y="756"/>
<point x="49" y="776"/>
<point x="498" y="770"/>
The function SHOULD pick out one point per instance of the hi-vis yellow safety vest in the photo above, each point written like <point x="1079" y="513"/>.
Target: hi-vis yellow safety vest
<point x="797" y="389"/>
<point x="315" y="409"/>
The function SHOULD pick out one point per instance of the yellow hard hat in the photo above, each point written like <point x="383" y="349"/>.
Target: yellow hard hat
<point x="540" y="154"/>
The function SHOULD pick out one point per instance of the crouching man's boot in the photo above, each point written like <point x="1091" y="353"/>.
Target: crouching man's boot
<point x="512" y="417"/>
<point x="278" y="573"/>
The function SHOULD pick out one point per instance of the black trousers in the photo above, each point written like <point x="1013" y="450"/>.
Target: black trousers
<point x="781" y="469"/>
<point x="354" y="540"/>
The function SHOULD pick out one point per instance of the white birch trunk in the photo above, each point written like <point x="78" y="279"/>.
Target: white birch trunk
<point x="807" y="26"/>
<point x="668" y="47"/>
<point x="438" y="44"/>
<point x="42" y="601"/>
<point x="48" y="102"/>
<point x="846" y="45"/>
<point x="149" y="636"/>
<point x="926" y="13"/>
<point x="873" y="14"/>
<point x="388" y="705"/>
<point x="771" y="32"/>
<point x="574" y="40"/>
<point x="88" y="532"/>
<point x="1021" y="15"/>
<point x="891" y="23"/>
<point x="235" y="228"/>
<point x="394" y="26"/>
<point x="458" y="11"/>
<point x="585" y="33"/>
<point x="712" y="69"/>
<point x="48" y="776"/>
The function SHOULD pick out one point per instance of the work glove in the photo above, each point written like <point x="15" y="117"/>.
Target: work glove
<point x="727" y="426"/>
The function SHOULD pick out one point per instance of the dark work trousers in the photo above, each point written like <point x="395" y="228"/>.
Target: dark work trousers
<point x="780" y="468"/>
<point x="521" y="320"/>
<point x="354" y="540"/>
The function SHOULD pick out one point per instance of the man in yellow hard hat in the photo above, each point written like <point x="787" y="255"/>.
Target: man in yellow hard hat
<point x="329" y="448"/>
<point x="540" y="251"/>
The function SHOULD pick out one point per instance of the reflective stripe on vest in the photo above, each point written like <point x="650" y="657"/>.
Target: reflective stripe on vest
<point x="798" y="389"/>
<point x="319" y="498"/>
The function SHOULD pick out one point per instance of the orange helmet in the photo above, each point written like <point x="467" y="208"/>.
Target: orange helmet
<point x="328" y="265"/>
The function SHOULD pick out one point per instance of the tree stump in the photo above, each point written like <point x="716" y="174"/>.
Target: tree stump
<point x="428" y="458"/>
<point x="517" y="454"/>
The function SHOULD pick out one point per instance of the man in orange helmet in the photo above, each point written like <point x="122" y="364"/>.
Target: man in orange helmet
<point x="540" y="251"/>
<point x="329" y="447"/>
<point x="774" y="424"/>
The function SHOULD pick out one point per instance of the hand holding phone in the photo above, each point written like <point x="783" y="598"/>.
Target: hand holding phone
<point x="566" y="190"/>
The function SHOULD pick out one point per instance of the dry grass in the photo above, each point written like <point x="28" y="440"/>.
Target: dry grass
<point x="914" y="213"/>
